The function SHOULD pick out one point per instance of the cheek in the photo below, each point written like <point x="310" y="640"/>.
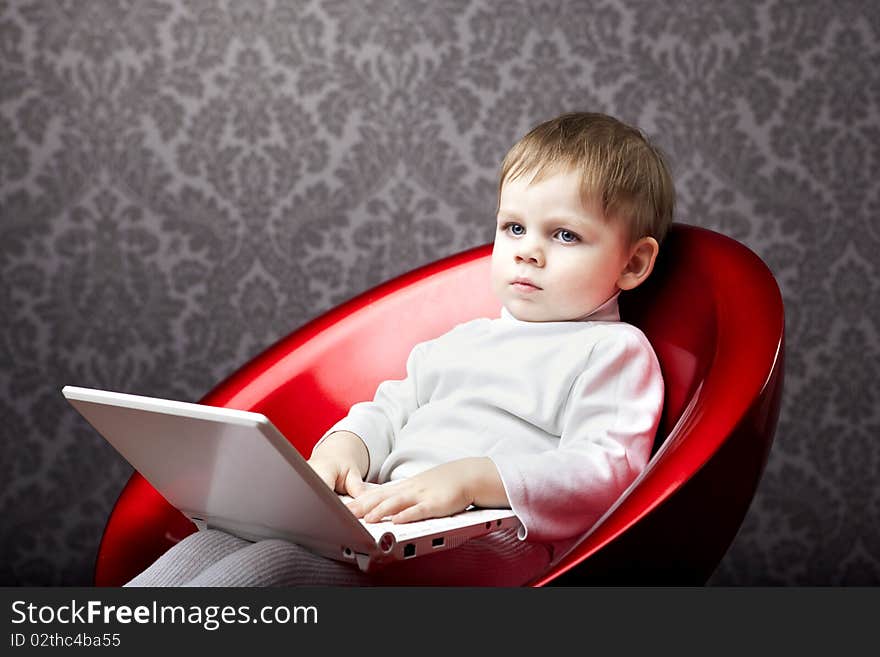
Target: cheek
<point x="572" y="269"/>
<point x="501" y="250"/>
<point x="579" y="276"/>
<point x="496" y="268"/>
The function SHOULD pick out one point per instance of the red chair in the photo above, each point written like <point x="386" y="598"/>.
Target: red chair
<point x="711" y="309"/>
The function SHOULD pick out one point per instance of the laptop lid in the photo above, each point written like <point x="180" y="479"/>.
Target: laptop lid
<point x="222" y="467"/>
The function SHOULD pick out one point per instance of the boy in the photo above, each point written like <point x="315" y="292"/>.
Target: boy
<point x="549" y="410"/>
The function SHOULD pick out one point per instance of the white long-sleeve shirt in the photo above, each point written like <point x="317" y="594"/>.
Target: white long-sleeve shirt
<point x="567" y="412"/>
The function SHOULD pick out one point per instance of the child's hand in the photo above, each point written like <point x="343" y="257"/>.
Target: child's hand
<point x="343" y="479"/>
<point x="341" y="461"/>
<point x="435" y="493"/>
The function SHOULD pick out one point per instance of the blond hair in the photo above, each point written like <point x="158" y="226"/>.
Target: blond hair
<point x="620" y="169"/>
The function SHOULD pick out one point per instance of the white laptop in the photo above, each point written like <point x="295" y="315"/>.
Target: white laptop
<point x="233" y="470"/>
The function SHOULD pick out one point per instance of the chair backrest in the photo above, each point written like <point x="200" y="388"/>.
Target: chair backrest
<point x="714" y="315"/>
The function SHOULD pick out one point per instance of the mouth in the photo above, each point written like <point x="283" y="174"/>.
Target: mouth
<point x="524" y="285"/>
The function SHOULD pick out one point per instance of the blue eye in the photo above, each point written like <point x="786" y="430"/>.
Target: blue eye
<point x="567" y="236"/>
<point x="515" y="229"/>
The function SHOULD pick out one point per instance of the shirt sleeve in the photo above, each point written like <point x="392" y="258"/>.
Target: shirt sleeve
<point x="608" y="427"/>
<point x="378" y="422"/>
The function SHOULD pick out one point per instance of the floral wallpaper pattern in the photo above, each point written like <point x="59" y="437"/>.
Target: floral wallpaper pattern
<point x="183" y="183"/>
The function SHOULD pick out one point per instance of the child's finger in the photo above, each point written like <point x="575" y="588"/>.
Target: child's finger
<point x="354" y="485"/>
<point x="411" y="514"/>
<point x="372" y="495"/>
<point x="368" y="499"/>
<point x="388" y="507"/>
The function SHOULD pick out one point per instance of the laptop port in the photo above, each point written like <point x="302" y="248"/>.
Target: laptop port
<point x="437" y="542"/>
<point x="409" y="550"/>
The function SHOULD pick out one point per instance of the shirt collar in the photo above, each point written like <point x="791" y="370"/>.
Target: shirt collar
<point x="607" y="311"/>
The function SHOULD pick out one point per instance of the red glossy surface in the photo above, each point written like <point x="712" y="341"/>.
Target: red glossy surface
<point x="711" y="309"/>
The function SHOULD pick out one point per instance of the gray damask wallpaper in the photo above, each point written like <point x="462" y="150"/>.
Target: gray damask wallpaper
<point x="182" y="183"/>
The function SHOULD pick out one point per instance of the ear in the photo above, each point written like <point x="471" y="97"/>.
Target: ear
<point x="642" y="255"/>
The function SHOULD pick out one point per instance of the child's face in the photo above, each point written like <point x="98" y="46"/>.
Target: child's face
<point x="572" y="257"/>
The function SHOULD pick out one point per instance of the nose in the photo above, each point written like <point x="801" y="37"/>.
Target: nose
<point x="528" y="251"/>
